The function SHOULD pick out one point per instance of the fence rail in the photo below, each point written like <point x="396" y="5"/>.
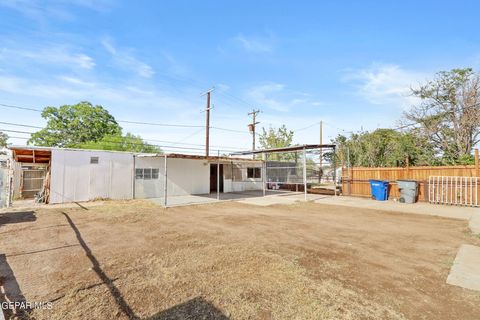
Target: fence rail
<point x="355" y="181"/>
<point x="460" y="191"/>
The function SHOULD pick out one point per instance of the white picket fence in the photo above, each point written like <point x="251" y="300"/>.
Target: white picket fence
<point x="458" y="191"/>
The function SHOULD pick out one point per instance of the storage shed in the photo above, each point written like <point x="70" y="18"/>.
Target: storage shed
<point x="59" y="175"/>
<point x="70" y="175"/>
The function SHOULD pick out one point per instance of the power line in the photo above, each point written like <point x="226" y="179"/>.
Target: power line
<point x="124" y="121"/>
<point x="163" y="149"/>
<point x="160" y="124"/>
<point x="17" y="107"/>
<point x="140" y="122"/>
<point x="189" y="136"/>
<point x="130" y="142"/>
<point x="307" y="127"/>
<point x="20" y="125"/>
<point x="145" y="139"/>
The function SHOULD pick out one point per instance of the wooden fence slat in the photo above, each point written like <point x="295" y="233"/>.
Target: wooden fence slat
<point x="356" y="183"/>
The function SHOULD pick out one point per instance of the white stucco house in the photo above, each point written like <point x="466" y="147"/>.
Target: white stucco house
<point x="63" y="175"/>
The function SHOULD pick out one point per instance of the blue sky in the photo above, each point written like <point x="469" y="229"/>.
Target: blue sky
<point x="348" y="63"/>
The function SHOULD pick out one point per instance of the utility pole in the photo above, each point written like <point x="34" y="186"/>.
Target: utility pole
<point x="207" y="124"/>
<point x="320" y="153"/>
<point x="252" y="125"/>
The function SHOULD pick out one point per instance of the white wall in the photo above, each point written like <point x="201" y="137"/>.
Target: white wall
<point x="185" y="176"/>
<point x="247" y="184"/>
<point x="73" y="178"/>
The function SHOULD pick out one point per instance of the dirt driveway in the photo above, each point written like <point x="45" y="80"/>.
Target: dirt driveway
<point x="234" y="261"/>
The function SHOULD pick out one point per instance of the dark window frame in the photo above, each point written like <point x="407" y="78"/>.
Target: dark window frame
<point x="254" y="173"/>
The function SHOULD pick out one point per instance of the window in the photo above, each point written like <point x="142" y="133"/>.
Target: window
<point x="93" y="160"/>
<point x="254" y="173"/>
<point x="147" y="174"/>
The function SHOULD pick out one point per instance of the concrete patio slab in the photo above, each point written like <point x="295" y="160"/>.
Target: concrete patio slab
<point x="475" y="223"/>
<point x="455" y="212"/>
<point x="465" y="271"/>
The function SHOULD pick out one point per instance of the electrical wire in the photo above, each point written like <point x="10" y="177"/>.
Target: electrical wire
<point x="140" y="122"/>
<point x="131" y="142"/>
<point x="154" y="140"/>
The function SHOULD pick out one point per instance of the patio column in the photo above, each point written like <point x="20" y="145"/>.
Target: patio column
<point x="335" y="169"/>
<point x="218" y="175"/>
<point x="264" y="173"/>
<point x="165" y="182"/>
<point x="305" y="173"/>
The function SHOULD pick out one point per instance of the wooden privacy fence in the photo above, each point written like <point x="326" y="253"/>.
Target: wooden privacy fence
<point x="355" y="181"/>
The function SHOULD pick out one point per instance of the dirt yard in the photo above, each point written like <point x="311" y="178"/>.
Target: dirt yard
<point x="234" y="261"/>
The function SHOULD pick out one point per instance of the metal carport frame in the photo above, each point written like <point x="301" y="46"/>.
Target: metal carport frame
<point x="303" y="148"/>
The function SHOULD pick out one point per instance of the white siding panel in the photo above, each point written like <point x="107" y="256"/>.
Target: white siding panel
<point x="17" y="179"/>
<point x="74" y="178"/>
<point x="185" y="176"/>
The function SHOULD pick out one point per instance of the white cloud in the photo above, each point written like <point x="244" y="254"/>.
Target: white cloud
<point x="387" y="84"/>
<point x="276" y="96"/>
<point x="42" y="11"/>
<point x="264" y="96"/>
<point x="77" y="81"/>
<point x="126" y="60"/>
<point x="71" y="89"/>
<point x="54" y="55"/>
<point x="255" y="44"/>
<point x="222" y="87"/>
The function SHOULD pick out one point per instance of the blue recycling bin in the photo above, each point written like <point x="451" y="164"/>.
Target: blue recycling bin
<point x="379" y="189"/>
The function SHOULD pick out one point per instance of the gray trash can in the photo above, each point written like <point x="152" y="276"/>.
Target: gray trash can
<point x="408" y="191"/>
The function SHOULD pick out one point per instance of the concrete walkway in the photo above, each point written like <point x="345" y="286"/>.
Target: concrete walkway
<point x="455" y="212"/>
<point x="465" y="272"/>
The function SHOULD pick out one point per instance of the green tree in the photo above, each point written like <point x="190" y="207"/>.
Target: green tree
<point x="128" y="142"/>
<point x="277" y="138"/>
<point x="70" y="125"/>
<point x="449" y="114"/>
<point x="383" y="148"/>
<point x="3" y="139"/>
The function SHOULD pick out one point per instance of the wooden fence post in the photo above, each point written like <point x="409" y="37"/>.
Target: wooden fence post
<point x="477" y="165"/>
<point x="407" y="166"/>
<point x="350" y="185"/>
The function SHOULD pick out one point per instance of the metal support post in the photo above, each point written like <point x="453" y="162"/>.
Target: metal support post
<point x="165" y="182"/>
<point x="218" y="175"/>
<point x="305" y="173"/>
<point x="335" y="170"/>
<point x="264" y="173"/>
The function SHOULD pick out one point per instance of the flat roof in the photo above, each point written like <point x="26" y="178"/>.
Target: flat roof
<point x="286" y="149"/>
<point x="43" y="154"/>
<point x="59" y="148"/>
<point x="198" y="157"/>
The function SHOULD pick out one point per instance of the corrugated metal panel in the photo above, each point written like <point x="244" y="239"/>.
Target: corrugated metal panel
<point x="3" y="187"/>
<point x="76" y="178"/>
<point x="17" y="179"/>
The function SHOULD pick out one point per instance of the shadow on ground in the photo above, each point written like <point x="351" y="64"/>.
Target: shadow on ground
<point x="197" y="308"/>
<point x="17" y="217"/>
<point x="10" y="290"/>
